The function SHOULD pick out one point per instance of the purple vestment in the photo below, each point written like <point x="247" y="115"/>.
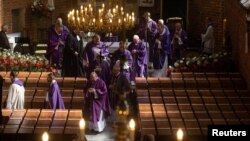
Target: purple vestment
<point x="18" y="82"/>
<point x="139" y="59"/>
<point x="105" y="72"/>
<point x="117" y="56"/>
<point x="163" y="49"/>
<point x="148" y="34"/>
<point x="90" y="53"/>
<point x="54" y="96"/>
<point x="178" y="44"/>
<point x="94" y="104"/>
<point x="56" y="56"/>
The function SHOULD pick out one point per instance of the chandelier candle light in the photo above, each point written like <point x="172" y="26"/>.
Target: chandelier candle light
<point x="110" y="17"/>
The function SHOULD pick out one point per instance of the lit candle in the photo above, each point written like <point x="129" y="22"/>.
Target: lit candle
<point x="103" y="5"/>
<point x="132" y="129"/>
<point x="179" y="135"/>
<point x="82" y="129"/>
<point x="45" y="136"/>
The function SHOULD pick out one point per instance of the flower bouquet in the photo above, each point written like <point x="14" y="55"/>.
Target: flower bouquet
<point x="215" y="62"/>
<point x="18" y="62"/>
<point x="39" y="9"/>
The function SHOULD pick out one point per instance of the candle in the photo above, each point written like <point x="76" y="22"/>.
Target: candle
<point x="132" y="129"/>
<point x="82" y="129"/>
<point x="179" y="135"/>
<point x="45" y="136"/>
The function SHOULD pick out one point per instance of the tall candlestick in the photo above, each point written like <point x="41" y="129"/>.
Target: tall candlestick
<point x="82" y="129"/>
<point x="132" y="130"/>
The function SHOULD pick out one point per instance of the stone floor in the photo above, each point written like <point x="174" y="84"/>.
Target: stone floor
<point x="107" y="135"/>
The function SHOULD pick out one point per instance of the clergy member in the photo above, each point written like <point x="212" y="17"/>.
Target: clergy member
<point x="96" y="106"/>
<point x="73" y="55"/>
<point x="162" y="50"/>
<point x="57" y="35"/>
<point x="122" y="50"/>
<point x="147" y="31"/>
<point x="178" y="42"/>
<point x="4" y="42"/>
<point x="139" y="53"/>
<point x="15" y="98"/>
<point x="54" y="95"/>
<point x="92" y="49"/>
<point x="119" y="84"/>
<point x="208" y="38"/>
<point x="102" y="68"/>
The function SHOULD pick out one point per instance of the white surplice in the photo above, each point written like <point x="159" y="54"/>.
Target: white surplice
<point x="15" y="98"/>
<point x="100" y="125"/>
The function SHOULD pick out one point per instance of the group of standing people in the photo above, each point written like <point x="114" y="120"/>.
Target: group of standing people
<point x="108" y="76"/>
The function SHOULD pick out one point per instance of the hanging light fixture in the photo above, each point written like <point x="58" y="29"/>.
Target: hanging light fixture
<point x="109" y="17"/>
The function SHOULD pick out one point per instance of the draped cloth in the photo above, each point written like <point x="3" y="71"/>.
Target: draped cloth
<point x="56" y="55"/>
<point x="54" y="96"/>
<point x="73" y="64"/>
<point x="127" y="70"/>
<point x="96" y="103"/>
<point x="162" y="50"/>
<point x="105" y="71"/>
<point x="208" y="40"/>
<point x="139" y="59"/>
<point x="15" y="98"/>
<point x="178" y="45"/>
<point x="91" y="51"/>
<point x="147" y="32"/>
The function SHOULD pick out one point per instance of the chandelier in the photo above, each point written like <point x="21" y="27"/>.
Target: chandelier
<point x="107" y="17"/>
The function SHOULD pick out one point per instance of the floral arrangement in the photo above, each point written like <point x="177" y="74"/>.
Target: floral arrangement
<point x="39" y="9"/>
<point x="18" y="62"/>
<point x="214" y="62"/>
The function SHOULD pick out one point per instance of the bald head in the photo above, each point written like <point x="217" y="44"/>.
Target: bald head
<point x="160" y="25"/>
<point x="161" y="22"/>
<point x="136" y="39"/>
<point x="59" y="21"/>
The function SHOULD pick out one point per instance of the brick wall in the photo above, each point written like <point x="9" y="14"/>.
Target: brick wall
<point x="1" y="12"/>
<point x="198" y="10"/>
<point x="237" y="28"/>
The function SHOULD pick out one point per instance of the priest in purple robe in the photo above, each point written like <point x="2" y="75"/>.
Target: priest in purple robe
<point x="97" y="106"/>
<point x="124" y="55"/>
<point x="57" y="35"/>
<point x="162" y="50"/>
<point x="92" y="49"/>
<point x="139" y="53"/>
<point x="16" y="95"/>
<point x="147" y="31"/>
<point x="178" y="42"/>
<point x="102" y="68"/>
<point x="54" y="97"/>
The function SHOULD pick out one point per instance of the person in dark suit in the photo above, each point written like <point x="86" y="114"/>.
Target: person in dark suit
<point x="4" y="42"/>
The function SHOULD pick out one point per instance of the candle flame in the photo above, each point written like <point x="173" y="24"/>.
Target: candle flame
<point x="132" y="124"/>
<point x="179" y="134"/>
<point x="45" y="136"/>
<point x="82" y="123"/>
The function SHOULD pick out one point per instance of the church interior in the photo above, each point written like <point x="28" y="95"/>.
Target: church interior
<point x="174" y="92"/>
